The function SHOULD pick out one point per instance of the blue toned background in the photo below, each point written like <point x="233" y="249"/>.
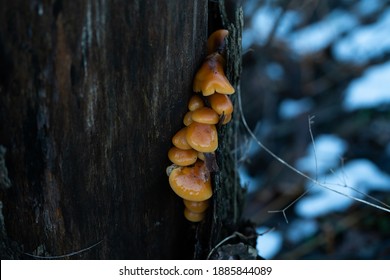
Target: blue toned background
<point x="327" y="62"/>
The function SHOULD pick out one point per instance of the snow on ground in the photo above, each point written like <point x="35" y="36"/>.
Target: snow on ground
<point x="300" y="229"/>
<point x="290" y="108"/>
<point x="263" y="22"/>
<point x="269" y="243"/>
<point x="353" y="43"/>
<point x="360" y="174"/>
<point x="319" y="35"/>
<point x="365" y="42"/>
<point x="328" y="152"/>
<point x="368" y="7"/>
<point x="370" y="90"/>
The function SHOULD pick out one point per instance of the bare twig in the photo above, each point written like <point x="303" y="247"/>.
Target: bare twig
<point x="291" y="204"/>
<point x="385" y="207"/>
<point x="65" y="255"/>
<point x="310" y="119"/>
<point x="234" y="235"/>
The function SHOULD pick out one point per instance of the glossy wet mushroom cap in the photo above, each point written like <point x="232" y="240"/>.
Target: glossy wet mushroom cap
<point x="179" y="140"/>
<point x="211" y="78"/>
<point x="225" y="119"/>
<point x="221" y="104"/>
<point x="202" y="137"/>
<point x="182" y="157"/>
<point x="195" y="102"/>
<point x="201" y="156"/>
<point x="187" y="120"/>
<point x="205" y="115"/>
<point x="191" y="182"/>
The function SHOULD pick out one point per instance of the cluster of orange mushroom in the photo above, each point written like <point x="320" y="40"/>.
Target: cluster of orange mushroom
<point x="194" y="145"/>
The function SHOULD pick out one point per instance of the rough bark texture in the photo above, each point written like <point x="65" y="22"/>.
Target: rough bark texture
<point x="228" y="195"/>
<point x="91" y="93"/>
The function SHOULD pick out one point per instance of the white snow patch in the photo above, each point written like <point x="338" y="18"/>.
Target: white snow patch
<point x="370" y="90"/>
<point x="263" y="22"/>
<point x="317" y="36"/>
<point x="290" y="108"/>
<point x="301" y="229"/>
<point x="366" y="42"/>
<point x="329" y="150"/>
<point x="268" y="244"/>
<point x="368" y="7"/>
<point x="359" y="174"/>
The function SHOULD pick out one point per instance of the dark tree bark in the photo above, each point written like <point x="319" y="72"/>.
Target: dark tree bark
<point x="91" y="93"/>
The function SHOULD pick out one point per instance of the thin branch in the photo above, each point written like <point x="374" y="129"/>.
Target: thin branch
<point x="386" y="207"/>
<point x="310" y="120"/>
<point x="66" y="255"/>
<point x="356" y="190"/>
<point x="234" y="235"/>
<point x="291" y="204"/>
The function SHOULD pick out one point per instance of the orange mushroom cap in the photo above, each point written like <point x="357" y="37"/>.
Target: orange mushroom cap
<point x="201" y="156"/>
<point x="193" y="216"/>
<point x="221" y="104"/>
<point x="202" y="137"/>
<point x="195" y="102"/>
<point x="179" y="140"/>
<point x="205" y="115"/>
<point x="211" y="78"/>
<point x="187" y="120"/>
<point x="191" y="182"/>
<point x="182" y="157"/>
<point x="196" y="206"/>
<point x="216" y="41"/>
<point x="226" y="118"/>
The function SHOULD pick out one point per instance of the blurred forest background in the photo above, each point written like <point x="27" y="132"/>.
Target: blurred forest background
<point x="327" y="63"/>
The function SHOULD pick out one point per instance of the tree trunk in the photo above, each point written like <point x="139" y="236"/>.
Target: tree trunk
<point x="91" y="94"/>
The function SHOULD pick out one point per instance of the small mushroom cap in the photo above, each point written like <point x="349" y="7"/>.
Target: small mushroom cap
<point x="201" y="156"/>
<point x="193" y="216"/>
<point x="182" y="157"/>
<point x="211" y="78"/>
<point x="202" y="137"/>
<point x="195" y="102"/>
<point x="221" y="104"/>
<point x="216" y="41"/>
<point x="187" y="120"/>
<point x="196" y="206"/>
<point x="179" y="140"/>
<point x="226" y="118"/>
<point x="205" y="115"/>
<point x="191" y="182"/>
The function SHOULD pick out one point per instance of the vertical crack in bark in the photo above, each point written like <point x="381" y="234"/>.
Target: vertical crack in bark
<point x="228" y="195"/>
